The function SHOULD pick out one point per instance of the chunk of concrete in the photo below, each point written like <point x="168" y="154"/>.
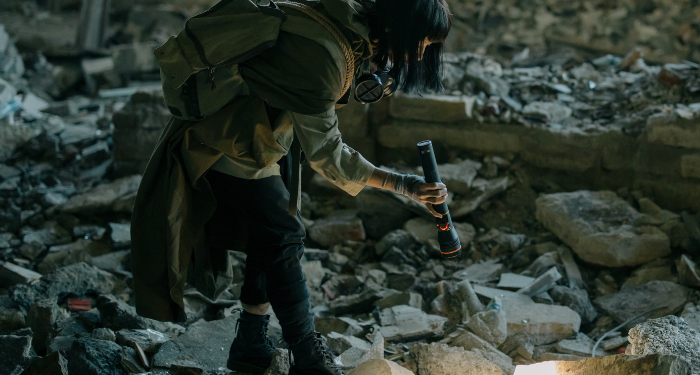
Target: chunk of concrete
<point x="120" y="235"/>
<point x="440" y="359"/>
<point x="358" y="303"/>
<point x="336" y="229"/>
<point x="575" y="299"/>
<point x="664" y="296"/>
<point x="105" y="198"/>
<point x="11" y="319"/>
<point x="412" y="299"/>
<point x="614" y="343"/>
<point x="542" y="284"/>
<point x="343" y="325"/>
<point x="405" y="323"/>
<point x="356" y="355"/>
<point x="481" y="272"/>
<point x="459" y="301"/>
<point x="12" y="274"/>
<point x="94" y="357"/>
<point x="17" y="353"/>
<point x="147" y="339"/>
<point x="544" y="323"/>
<point x="669" y="335"/>
<point x="339" y="343"/>
<point x="687" y="272"/>
<point x="280" y="363"/>
<point x="201" y="344"/>
<point x="573" y="273"/>
<point x="379" y="367"/>
<point x="655" y="364"/>
<point x="76" y="252"/>
<point x="459" y="177"/>
<point x="113" y="262"/>
<point x="41" y="318"/>
<point x="117" y="314"/>
<point x="581" y="345"/>
<point x="600" y="228"/>
<point x="52" y="364"/>
<point x="659" y="269"/>
<point x="513" y="281"/>
<point x="471" y="342"/>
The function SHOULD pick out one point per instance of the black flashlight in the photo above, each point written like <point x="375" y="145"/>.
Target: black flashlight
<point x="447" y="235"/>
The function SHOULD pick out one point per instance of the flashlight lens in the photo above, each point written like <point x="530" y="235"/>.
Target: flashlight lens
<point x="369" y="91"/>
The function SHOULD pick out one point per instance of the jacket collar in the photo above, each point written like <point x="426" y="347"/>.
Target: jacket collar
<point x="351" y="14"/>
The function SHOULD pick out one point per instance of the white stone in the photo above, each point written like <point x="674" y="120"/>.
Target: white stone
<point x="12" y="274"/>
<point x="514" y="281"/>
<point x="405" y="323"/>
<point x="380" y="367"/>
<point x="599" y="227"/>
<point x="440" y="359"/>
<point x="544" y="323"/>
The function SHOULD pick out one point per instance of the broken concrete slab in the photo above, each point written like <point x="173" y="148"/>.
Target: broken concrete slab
<point x="17" y="353"/>
<point x="457" y="301"/>
<point x="147" y="339"/>
<point x="202" y="344"/>
<point x="12" y="274"/>
<point x="542" y="283"/>
<point x="575" y="299"/>
<point x="339" y="343"/>
<point x="663" y="297"/>
<point x="116" y="261"/>
<point x="412" y="299"/>
<point x="600" y="228"/>
<point x="405" y="323"/>
<point x="332" y="230"/>
<point x="117" y="315"/>
<point x="471" y="342"/>
<point x="280" y="363"/>
<point x="659" y="269"/>
<point x="669" y="335"/>
<point x="655" y="364"/>
<point x="358" y="303"/>
<point x="513" y="281"/>
<point x="544" y="323"/>
<point x="41" y="318"/>
<point x="94" y="357"/>
<point x="343" y="325"/>
<point x="459" y="176"/>
<point x="481" y="272"/>
<point x="580" y="345"/>
<point x="614" y="343"/>
<point x="573" y="273"/>
<point x="356" y="355"/>
<point x="489" y="293"/>
<point x="76" y="252"/>
<point x="440" y="359"/>
<point x="105" y="198"/>
<point x="379" y="367"/>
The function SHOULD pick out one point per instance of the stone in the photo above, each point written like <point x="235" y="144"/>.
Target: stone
<point x="343" y="325"/>
<point x="60" y="344"/>
<point x="94" y="357"/>
<point x="147" y="339"/>
<point x="400" y="281"/>
<point x="120" y="235"/>
<point x="513" y="281"/>
<point x="398" y="238"/>
<point x="402" y="298"/>
<point x="482" y="190"/>
<point x="667" y="297"/>
<point x="52" y="364"/>
<point x="458" y="301"/>
<point x="575" y="299"/>
<point x="71" y="326"/>
<point x="669" y="335"/>
<point x="17" y="354"/>
<point x="379" y="367"/>
<point x="440" y="359"/>
<point x="599" y="227"/>
<point x="116" y="261"/>
<point x="659" y="269"/>
<point x="103" y="334"/>
<point x="687" y="272"/>
<point x="280" y="363"/>
<point x="79" y="278"/>
<point x="405" y="323"/>
<point x="544" y="323"/>
<point x="459" y="177"/>
<point x="471" y="342"/>
<point x="693" y="320"/>
<point x="614" y="343"/>
<point x="573" y="273"/>
<point x="41" y="318"/>
<point x="11" y="319"/>
<point x="89" y="232"/>
<point x="490" y="293"/>
<point x="13" y="137"/>
<point x="654" y="364"/>
<point x="339" y="343"/>
<point x="542" y="283"/>
<point x="356" y="355"/>
<point x="32" y="250"/>
<point x="204" y="343"/>
<point x="53" y="235"/>
<point x="12" y="274"/>
<point x="357" y="303"/>
<point x="382" y="211"/>
<point x="117" y="314"/>
<point x="481" y="272"/>
<point x="76" y="252"/>
<point x="105" y="198"/>
<point x="490" y="325"/>
<point x="131" y="361"/>
<point x="343" y="226"/>
<point x="581" y="345"/>
<point x="547" y="112"/>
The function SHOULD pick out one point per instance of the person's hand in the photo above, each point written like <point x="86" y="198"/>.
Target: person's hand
<point x="430" y="194"/>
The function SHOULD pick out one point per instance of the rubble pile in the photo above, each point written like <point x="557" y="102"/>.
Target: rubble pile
<point x="610" y="93"/>
<point x="551" y="279"/>
<point x="523" y="31"/>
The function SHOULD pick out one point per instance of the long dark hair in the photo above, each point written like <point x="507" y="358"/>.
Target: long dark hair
<point x="401" y="26"/>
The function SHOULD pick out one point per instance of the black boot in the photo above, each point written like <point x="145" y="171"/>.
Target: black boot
<point x="312" y="357"/>
<point x="251" y="350"/>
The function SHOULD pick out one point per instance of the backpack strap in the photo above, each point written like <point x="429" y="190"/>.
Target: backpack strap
<point x="337" y="35"/>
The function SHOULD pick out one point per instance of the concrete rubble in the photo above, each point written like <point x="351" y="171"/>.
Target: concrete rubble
<point x="571" y="152"/>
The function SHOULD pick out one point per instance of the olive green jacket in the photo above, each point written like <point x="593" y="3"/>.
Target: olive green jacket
<point x="298" y="76"/>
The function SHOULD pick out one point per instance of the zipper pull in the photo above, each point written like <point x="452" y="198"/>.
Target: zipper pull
<point x="211" y="79"/>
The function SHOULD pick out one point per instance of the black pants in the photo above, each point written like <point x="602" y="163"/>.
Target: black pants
<point x="275" y="245"/>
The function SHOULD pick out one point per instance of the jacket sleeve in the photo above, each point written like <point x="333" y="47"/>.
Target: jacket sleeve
<point x="328" y="155"/>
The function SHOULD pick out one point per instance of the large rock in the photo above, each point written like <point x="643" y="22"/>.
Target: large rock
<point x="600" y="228"/>
<point x="440" y="359"/>
<point x="41" y="318"/>
<point x="12" y="274"/>
<point x="114" y="197"/>
<point x="117" y="314"/>
<point x="405" y="323"/>
<point x="575" y="299"/>
<point x="79" y="278"/>
<point x="336" y="229"/>
<point x="544" y="323"/>
<point x="202" y="344"/>
<point x="655" y="364"/>
<point x="379" y="367"/>
<point x="667" y="335"/>
<point x="11" y="319"/>
<point x="94" y="357"/>
<point x="17" y="354"/>
<point x="665" y="297"/>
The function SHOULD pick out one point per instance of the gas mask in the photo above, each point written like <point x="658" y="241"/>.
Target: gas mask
<point x="372" y="87"/>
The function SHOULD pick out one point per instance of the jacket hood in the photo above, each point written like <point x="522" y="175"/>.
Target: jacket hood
<point x="351" y="14"/>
